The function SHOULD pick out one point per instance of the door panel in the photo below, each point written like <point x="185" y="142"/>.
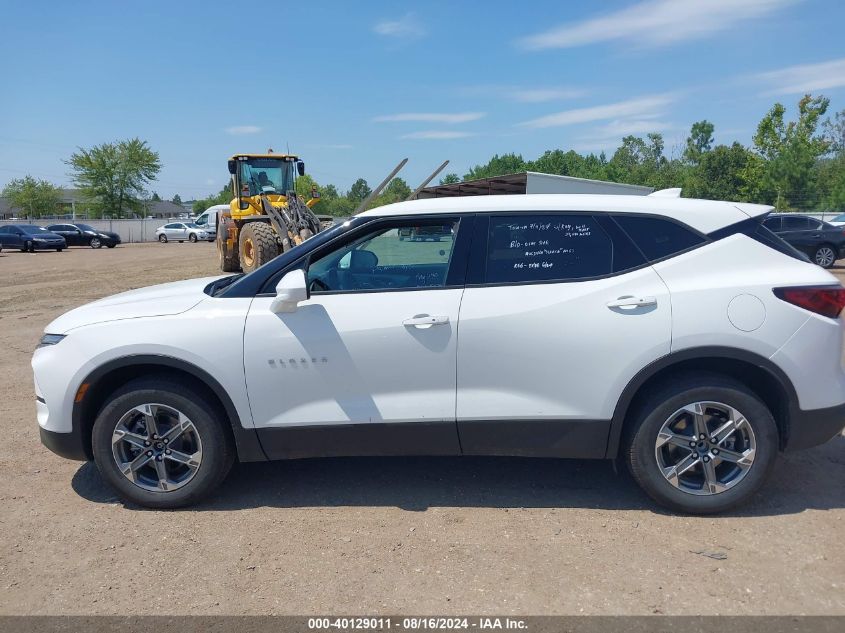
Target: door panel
<point x="555" y="353"/>
<point x="347" y="359"/>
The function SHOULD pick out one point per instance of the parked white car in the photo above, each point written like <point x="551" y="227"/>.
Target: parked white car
<point x="680" y="335"/>
<point x="181" y="231"/>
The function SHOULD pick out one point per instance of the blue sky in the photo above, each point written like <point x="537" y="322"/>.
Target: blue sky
<point x="355" y="87"/>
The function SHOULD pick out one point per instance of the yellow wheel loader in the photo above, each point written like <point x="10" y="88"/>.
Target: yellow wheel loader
<point x="266" y="216"/>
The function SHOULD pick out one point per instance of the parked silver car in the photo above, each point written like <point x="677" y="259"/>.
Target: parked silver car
<point x="181" y="231"/>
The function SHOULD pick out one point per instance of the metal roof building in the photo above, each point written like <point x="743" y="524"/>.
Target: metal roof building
<point x="529" y="182"/>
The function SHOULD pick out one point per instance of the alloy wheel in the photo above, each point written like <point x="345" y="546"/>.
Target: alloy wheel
<point x="95" y="242"/>
<point x="156" y="447"/>
<point x="705" y="448"/>
<point x="825" y="256"/>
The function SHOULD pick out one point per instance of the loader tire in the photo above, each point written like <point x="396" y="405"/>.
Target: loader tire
<point x="257" y="245"/>
<point x="227" y="257"/>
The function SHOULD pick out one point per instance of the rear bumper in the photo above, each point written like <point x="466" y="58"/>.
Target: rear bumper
<point x="811" y="428"/>
<point x="67" y="445"/>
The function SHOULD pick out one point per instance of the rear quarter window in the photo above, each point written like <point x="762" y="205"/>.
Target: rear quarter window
<point x="658" y="238"/>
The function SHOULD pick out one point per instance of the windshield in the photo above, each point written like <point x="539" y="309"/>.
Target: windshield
<point x="838" y="218"/>
<point x="266" y="175"/>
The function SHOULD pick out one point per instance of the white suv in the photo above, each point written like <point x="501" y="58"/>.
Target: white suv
<point x="679" y="335"/>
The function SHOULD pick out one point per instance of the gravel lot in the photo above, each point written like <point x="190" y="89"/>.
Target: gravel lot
<point x="439" y="536"/>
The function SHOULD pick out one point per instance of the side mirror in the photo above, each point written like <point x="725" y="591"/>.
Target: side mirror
<point x="291" y="289"/>
<point x="300" y="167"/>
<point x="232" y="166"/>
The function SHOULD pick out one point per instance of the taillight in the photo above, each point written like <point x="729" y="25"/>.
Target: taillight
<point x="825" y="300"/>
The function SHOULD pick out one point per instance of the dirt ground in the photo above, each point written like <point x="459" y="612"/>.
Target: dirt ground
<point x="389" y="536"/>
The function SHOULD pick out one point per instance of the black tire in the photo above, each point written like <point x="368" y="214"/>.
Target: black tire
<point x="110" y="245"/>
<point x="28" y="247"/>
<point x="181" y="241"/>
<point x="162" y="238"/>
<point x="192" y="238"/>
<point x="257" y="245"/>
<point x="660" y="405"/>
<point x="59" y="250"/>
<point x="218" y="452"/>
<point x="95" y="243"/>
<point x="825" y="255"/>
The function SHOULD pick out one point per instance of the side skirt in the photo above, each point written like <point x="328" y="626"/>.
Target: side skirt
<point x="578" y="439"/>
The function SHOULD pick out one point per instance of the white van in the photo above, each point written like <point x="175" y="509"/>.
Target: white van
<point x="208" y="220"/>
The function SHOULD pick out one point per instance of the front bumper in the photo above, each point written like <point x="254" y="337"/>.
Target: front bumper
<point x="811" y="428"/>
<point x="48" y="246"/>
<point x="67" y="445"/>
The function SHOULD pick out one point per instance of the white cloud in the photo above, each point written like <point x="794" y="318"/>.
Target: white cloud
<point x="638" y="108"/>
<point x="437" y="135"/>
<point x="624" y="127"/>
<point x="431" y="117"/>
<point x="655" y="23"/>
<point x="523" y="94"/>
<point x="405" y="28"/>
<point x="239" y="130"/>
<point x="805" y="77"/>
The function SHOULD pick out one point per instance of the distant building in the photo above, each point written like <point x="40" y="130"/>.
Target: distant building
<point x="74" y="205"/>
<point x="528" y="182"/>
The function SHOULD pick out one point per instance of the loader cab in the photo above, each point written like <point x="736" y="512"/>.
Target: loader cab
<point x="267" y="174"/>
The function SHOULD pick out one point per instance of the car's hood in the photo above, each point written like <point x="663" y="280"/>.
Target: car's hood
<point x="46" y="234"/>
<point x="161" y="300"/>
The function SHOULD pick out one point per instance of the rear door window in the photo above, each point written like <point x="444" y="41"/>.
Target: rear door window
<point x="794" y="224"/>
<point x="657" y="237"/>
<point x="553" y="247"/>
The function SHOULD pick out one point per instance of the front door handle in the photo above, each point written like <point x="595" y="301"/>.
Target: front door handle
<point x="425" y="321"/>
<point x="632" y="302"/>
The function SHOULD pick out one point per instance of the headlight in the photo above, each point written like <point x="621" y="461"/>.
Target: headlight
<point x="37" y="239"/>
<point x="103" y="235"/>
<point x="51" y="339"/>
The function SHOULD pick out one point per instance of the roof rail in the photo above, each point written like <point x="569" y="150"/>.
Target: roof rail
<point x="674" y="192"/>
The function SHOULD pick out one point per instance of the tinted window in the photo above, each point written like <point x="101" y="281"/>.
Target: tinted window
<point x="31" y="228"/>
<point x="772" y="223"/>
<point x="546" y="248"/>
<point x="172" y="226"/>
<point x="389" y="257"/>
<point x="85" y="227"/>
<point x="4" y="229"/>
<point x="794" y="223"/>
<point x="658" y="238"/>
<point x="814" y="225"/>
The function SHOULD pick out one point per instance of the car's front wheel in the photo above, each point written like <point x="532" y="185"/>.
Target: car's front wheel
<point x="192" y="238"/>
<point x="825" y="256"/>
<point x="159" y="443"/>
<point x="701" y="443"/>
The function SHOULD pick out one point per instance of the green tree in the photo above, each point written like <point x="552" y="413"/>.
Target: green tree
<point x="359" y="190"/>
<point x="32" y="197"/>
<point x="155" y="197"/>
<point x="224" y="196"/>
<point x="114" y="175"/>
<point x="450" y="179"/>
<point x="721" y="173"/>
<point x="177" y="199"/>
<point x="497" y="166"/>
<point x="699" y="141"/>
<point x="791" y="150"/>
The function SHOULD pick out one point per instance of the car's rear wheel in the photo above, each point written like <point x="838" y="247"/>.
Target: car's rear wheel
<point x="95" y="243"/>
<point x="701" y="443"/>
<point x="825" y="256"/>
<point x="159" y="443"/>
<point x="162" y="238"/>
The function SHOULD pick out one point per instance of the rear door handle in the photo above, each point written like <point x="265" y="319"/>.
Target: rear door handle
<point x="425" y="321"/>
<point x="632" y="302"/>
